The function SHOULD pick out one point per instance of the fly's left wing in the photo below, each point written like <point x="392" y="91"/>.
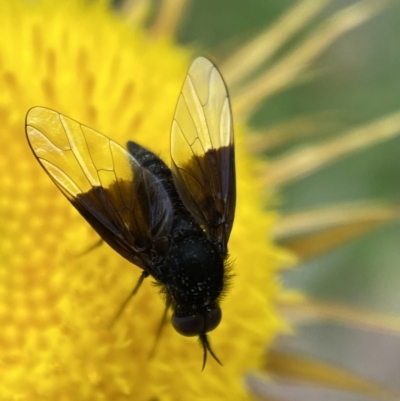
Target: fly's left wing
<point x="122" y="201"/>
<point x="202" y="150"/>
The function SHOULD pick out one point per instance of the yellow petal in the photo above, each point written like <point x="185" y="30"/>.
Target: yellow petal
<point x="168" y="18"/>
<point x="305" y="369"/>
<point x="136" y="11"/>
<point x="301" y="308"/>
<point x="268" y="42"/>
<point x="316" y="231"/>
<point x="285" y="71"/>
<point x="288" y="131"/>
<point x="305" y="161"/>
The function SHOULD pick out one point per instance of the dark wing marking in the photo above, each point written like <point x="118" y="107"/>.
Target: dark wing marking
<point x="123" y="202"/>
<point x="202" y="150"/>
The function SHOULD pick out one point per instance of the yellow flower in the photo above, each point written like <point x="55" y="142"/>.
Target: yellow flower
<point x="56" y="303"/>
<point x="81" y="60"/>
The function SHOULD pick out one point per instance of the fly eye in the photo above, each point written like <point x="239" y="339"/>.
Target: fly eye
<point x="195" y="325"/>
<point x="213" y="318"/>
<point x="188" y="325"/>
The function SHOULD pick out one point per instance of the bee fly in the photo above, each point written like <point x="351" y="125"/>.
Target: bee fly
<point x="174" y="223"/>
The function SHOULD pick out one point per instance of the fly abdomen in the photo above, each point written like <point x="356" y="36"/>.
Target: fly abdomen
<point x="196" y="272"/>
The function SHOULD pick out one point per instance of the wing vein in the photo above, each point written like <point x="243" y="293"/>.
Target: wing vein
<point x="115" y="177"/>
<point x="204" y="171"/>
<point x="210" y="173"/>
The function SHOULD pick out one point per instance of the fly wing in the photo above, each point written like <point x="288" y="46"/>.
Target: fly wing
<point x="122" y="201"/>
<point x="202" y="150"/>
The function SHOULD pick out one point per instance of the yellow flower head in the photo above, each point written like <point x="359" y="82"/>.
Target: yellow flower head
<point x="55" y="303"/>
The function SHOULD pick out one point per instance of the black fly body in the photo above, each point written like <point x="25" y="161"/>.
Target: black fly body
<point x="173" y="223"/>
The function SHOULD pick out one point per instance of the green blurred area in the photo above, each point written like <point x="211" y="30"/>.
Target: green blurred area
<point x="356" y="80"/>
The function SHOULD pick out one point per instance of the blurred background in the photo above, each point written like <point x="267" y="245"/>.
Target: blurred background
<point x="355" y="81"/>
